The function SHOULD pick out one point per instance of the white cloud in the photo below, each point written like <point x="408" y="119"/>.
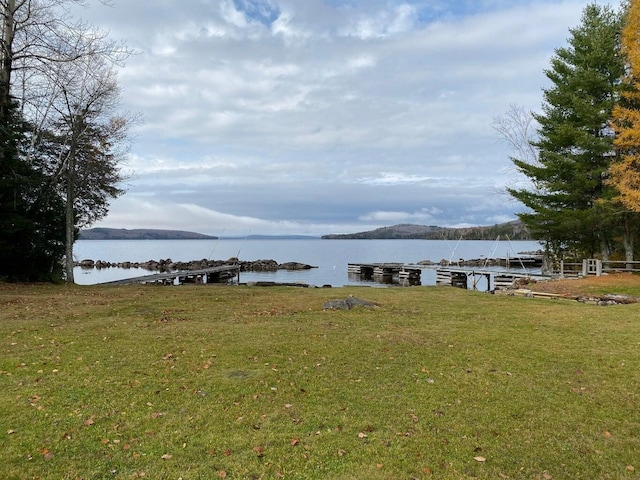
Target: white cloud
<point x="321" y="114"/>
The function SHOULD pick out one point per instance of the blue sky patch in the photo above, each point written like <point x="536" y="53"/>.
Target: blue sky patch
<point x="263" y="11"/>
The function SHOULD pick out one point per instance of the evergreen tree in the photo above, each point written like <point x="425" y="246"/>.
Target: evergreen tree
<point x="31" y="213"/>
<point x="575" y="141"/>
<point x="41" y="50"/>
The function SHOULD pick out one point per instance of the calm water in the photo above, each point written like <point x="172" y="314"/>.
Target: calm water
<point x="330" y="256"/>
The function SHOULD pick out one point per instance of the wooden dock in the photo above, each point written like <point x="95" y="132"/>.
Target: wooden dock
<point x="220" y="274"/>
<point x="389" y="273"/>
<point x="493" y="279"/>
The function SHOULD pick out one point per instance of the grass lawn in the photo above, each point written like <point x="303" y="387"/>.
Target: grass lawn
<point x="207" y="382"/>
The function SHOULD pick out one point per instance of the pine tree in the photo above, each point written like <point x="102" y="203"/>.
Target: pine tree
<point x="575" y="140"/>
<point x="31" y="213"/>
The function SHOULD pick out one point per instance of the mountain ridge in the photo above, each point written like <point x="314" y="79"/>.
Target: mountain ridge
<point x="140" y="234"/>
<point x="514" y="230"/>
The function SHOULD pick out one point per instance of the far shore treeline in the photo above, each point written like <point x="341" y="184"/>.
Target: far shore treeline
<point x="515" y="230"/>
<point x="512" y="230"/>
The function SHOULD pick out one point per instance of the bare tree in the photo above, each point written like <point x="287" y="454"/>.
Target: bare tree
<point x="82" y="142"/>
<point x="61" y="74"/>
<point x="39" y="34"/>
<point x="518" y="128"/>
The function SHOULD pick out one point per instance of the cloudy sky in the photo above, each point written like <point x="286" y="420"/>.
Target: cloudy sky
<point x="325" y="116"/>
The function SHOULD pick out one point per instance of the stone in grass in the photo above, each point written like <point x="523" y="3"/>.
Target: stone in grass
<point x="347" y="304"/>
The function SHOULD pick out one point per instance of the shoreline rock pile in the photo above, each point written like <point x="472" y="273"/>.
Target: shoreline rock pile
<point x="168" y="265"/>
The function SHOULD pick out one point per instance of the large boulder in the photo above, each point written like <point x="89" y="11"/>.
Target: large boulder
<point x="295" y="266"/>
<point x="347" y="304"/>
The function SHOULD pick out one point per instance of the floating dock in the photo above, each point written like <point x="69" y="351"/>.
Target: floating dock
<point x="389" y="273"/>
<point x="472" y="279"/>
<point x="220" y="274"/>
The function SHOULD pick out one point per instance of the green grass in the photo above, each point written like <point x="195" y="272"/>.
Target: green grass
<point x="236" y="382"/>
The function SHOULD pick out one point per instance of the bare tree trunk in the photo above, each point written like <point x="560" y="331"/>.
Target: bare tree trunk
<point x="70" y="217"/>
<point x="70" y="221"/>
<point x="628" y="241"/>
<point x="6" y="67"/>
<point x="604" y="249"/>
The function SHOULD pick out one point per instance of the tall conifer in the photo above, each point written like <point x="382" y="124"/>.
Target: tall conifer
<point x="575" y="141"/>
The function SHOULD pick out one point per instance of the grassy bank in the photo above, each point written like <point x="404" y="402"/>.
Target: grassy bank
<point x="236" y="382"/>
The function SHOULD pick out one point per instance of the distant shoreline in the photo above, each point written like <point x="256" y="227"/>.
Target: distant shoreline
<point x="515" y="230"/>
<point x="140" y="234"/>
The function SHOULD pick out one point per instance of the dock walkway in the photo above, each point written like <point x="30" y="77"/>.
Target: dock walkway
<point x="386" y="272"/>
<point x="220" y="274"/>
<point x="493" y="279"/>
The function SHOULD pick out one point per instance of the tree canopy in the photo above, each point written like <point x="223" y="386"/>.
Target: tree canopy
<point x="569" y="199"/>
<point x="625" y="171"/>
<point x="61" y="135"/>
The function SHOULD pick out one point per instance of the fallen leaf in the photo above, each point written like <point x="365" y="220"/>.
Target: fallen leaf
<point x="166" y="456"/>
<point x="227" y="453"/>
<point x="11" y="431"/>
<point x="295" y="442"/>
<point x="426" y="471"/>
<point x="607" y="435"/>
<point x="480" y="459"/>
<point x="362" y="435"/>
<point x="222" y="474"/>
<point x="259" y="451"/>
<point x="89" y="421"/>
<point x="46" y="454"/>
<point x="630" y="468"/>
<point x="341" y="453"/>
<point x="380" y="465"/>
<point x="546" y="476"/>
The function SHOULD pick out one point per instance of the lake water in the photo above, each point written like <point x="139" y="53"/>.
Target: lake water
<point x="330" y="256"/>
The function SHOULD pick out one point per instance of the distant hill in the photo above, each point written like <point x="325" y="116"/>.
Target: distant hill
<point x="140" y="234"/>
<point x="514" y="230"/>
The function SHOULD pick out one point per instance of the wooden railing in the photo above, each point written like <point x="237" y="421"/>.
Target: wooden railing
<point x="592" y="266"/>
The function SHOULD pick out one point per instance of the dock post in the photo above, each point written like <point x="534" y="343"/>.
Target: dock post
<point x="459" y="279"/>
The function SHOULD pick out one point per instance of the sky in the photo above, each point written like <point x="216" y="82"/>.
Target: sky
<point x="325" y="116"/>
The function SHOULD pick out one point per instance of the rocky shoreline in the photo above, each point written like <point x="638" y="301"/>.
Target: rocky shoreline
<point x="534" y="260"/>
<point x="168" y="265"/>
